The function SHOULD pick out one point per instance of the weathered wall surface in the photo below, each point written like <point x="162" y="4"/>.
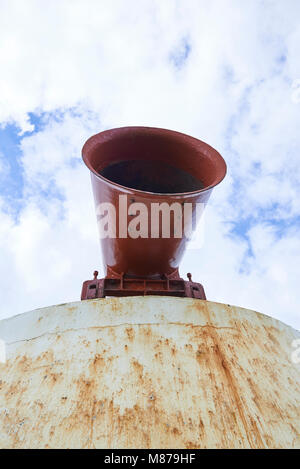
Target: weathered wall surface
<point x="148" y="372"/>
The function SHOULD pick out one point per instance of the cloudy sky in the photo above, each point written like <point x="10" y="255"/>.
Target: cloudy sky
<point x="224" y="71"/>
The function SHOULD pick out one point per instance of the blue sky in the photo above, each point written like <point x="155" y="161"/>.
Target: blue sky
<point x="229" y="76"/>
<point x="11" y="181"/>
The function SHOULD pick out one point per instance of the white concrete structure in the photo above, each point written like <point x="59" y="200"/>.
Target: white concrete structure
<point x="148" y="372"/>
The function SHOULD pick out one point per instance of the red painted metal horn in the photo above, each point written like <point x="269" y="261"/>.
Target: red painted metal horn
<point x="147" y="165"/>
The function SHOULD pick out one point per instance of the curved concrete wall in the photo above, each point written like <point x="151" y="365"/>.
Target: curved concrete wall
<point x="148" y="372"/>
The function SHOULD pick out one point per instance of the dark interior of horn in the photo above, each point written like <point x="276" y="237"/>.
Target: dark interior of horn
<point x="151" y="176"/>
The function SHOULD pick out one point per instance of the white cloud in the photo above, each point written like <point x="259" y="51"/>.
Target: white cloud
<point x="101" y="64"/>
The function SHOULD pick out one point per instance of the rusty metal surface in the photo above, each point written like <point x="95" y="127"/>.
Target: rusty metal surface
<point x="120" y="285"/>
<point x="148" y="372"/>
<point x="148" y="154"/>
